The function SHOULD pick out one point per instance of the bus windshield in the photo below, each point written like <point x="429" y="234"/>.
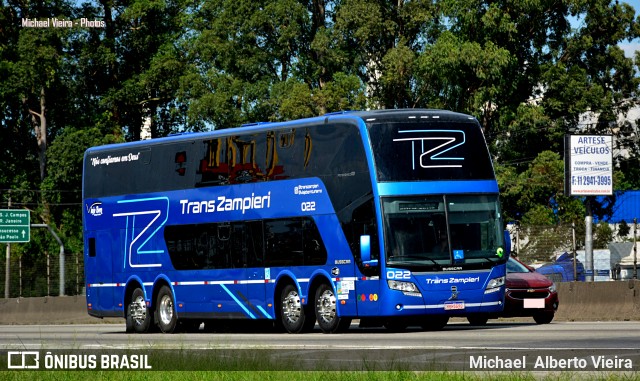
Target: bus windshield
<point x="430" y="151"/>
<point x="437" y="232"/>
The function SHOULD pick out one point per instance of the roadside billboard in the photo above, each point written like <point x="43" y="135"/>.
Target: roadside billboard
<point x="588" y="165"/>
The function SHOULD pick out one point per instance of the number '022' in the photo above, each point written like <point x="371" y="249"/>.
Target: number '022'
<point x="399" y="274"/>
<point x="308" y="206"/>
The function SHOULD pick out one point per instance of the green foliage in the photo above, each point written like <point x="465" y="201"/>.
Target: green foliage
<point x="344" y="92"/>
<point x="539" y="215"/>
<point x="536" y="195"/>
<point x="623" y="230"/>
<point x="603" y="234"/>
<point x="271" y="375"/>
<point x="61" y="188"/>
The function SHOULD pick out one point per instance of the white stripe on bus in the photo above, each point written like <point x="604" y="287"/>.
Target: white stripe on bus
<point x="433" y="306"/>
<point x="221" y="282"/>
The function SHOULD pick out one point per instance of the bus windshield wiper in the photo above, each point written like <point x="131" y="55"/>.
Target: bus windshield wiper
<point x="416" y="257"/>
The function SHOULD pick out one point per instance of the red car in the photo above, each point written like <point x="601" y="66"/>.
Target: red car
<point x="528" y="293"/>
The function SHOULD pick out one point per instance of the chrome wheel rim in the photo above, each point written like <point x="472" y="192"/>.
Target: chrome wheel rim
<point x="166" y="309"/>
<point x="291" y="307"/>
<point x="327" y="306"/>
<point x="138" y="310"/>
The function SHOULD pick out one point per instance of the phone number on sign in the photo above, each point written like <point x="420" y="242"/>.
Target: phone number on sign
<point x="590" y="180"/>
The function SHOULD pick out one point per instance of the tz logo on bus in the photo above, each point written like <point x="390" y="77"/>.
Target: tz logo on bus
<point x="430" y="149"/>
<point x="142" y="221"/>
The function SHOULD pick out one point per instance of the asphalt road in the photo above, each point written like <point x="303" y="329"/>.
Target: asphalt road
<point x="456" y="335"/>
<point x="502" y="346"/>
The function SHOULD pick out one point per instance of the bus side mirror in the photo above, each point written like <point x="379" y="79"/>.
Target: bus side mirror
<point x="365" y="252"/>
<point x="507" y="243"/>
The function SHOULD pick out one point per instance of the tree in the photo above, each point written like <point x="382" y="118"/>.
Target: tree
<point x="623" y="230"/>
<point x="26" y="81"/>
<point x="64" y="181"/>
<point x="382" y="41"/>
<point x="539" y="78"/>
<point x="34" y="92"/>
<point x="536" y="196"/>
<point x="603" y="234"/>
<point x="142" y="64"/>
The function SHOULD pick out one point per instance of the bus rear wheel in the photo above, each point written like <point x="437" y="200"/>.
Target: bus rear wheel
<point x="327" y="313"/>
<point x="293" y="316"/>
<point x="166" y="311"/>
<point x="138" y="316"/>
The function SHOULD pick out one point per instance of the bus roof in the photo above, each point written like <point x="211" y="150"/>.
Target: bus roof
<point x="366" y="116"/>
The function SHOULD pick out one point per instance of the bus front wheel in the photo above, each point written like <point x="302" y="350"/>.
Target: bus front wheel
<point x="327" y="313"/>
<point x="138" y="318"/>
<point x="166" y="311"/>
<point x="292" y="313"/>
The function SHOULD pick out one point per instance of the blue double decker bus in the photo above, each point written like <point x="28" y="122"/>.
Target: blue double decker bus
<point x="390" y="217"/>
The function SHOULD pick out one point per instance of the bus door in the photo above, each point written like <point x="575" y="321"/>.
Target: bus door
<point x="368" y="295"/>
<point x="246" y="294"/>
<point x="368" y="280"/>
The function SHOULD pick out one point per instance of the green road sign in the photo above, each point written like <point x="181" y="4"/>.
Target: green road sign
<point x="15" y="225"/>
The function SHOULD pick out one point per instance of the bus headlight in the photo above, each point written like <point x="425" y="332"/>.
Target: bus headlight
<point x="494" y="285"/>
<point x="407" y="288"/>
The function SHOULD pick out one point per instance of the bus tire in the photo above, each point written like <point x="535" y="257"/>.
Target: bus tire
<point x="327" y="312"/>
<point x="138" y="317"/>
<point x="292" y="313"/>
<point x="166" y="310"/>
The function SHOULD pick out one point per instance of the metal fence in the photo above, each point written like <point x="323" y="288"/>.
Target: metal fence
<point x="542" y="243"/>
<point x="39" y="274"/>
<point x="613" y="255"/>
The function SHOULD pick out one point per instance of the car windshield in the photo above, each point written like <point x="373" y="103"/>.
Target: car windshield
<point x="438" y="231"/>
<point x="514" y="266"/>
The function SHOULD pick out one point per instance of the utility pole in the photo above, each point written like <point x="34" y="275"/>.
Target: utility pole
<point x="635" y="249"/>
<point x="8" y="264"/>
<point x="588" y="242"/>
<point x="517" y="250"/>
<point x="575" y="255"/>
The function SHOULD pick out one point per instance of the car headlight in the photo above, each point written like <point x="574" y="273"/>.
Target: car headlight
<point x="552" y="288"/>
<point x="408" y="288"/>
<point x="494" y="285"/>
